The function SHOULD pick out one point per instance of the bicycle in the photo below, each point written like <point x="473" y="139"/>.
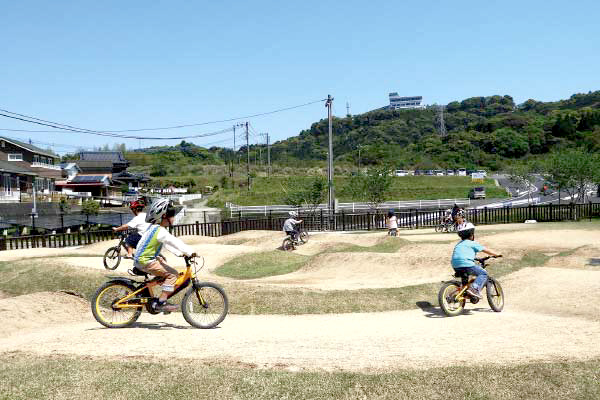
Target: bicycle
<point x="112" y="256"/>
<point x="119" y="302"/>
<point x="289" y="243"/>
<point x="452" y="296"/>
<point x="445" y="226"/>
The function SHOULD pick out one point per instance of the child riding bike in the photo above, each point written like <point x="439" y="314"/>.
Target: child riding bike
<point x="138" y="222"/>
<point x="147" y="257"/>
<point x="463" y="258"/>
<point x="289" y="226"/>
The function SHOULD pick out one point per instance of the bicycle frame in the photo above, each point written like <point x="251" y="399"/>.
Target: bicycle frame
<point x="183" y="281"/>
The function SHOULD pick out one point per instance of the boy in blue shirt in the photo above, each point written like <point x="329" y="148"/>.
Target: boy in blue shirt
<point x="463" y="258"/>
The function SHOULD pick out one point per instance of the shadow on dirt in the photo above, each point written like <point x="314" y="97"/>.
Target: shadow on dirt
<point x="435" y="312"/>
<point x="152" y="326"/>
<point x="594" y="262"/>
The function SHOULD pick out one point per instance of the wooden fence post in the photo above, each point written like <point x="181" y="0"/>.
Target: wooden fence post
<point x="197" y="228"/>
<point x="416" y="219"/>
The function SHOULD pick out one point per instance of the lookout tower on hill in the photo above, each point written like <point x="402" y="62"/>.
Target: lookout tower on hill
<point x="398" y="102"/>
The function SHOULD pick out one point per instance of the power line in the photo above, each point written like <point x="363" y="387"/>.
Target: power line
<point x="108" y="132"/>
<point x="39" y="121"/>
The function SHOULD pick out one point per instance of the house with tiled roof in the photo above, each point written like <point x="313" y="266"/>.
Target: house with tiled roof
<point x="102" y="162"/>
<point x="23" y="165"/>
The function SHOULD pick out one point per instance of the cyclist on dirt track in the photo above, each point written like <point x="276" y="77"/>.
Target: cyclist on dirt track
<point x="289" y="226"/>
<point x="463" y="258"/>
<point x="147" y="258"/>
<point x="138" y="223"/>
<point x="392" y="223"/>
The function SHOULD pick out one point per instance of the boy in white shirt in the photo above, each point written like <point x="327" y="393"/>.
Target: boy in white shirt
<point x="147" y="257"/>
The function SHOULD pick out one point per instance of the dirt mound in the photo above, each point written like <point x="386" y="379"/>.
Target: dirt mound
<point x="553" y="291"/>
<point x="586" y="257"/>
<point x="543" y="241"/>
<point x="413" y="265"/>
<point x="38" y="310"/>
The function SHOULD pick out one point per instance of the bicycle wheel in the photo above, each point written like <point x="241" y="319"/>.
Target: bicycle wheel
<point x="495" y="295"/>
<point x="303" y="237"/>
<point x="205" y="305"/>
<point x="439" y="228"/>
<point x="447" y="299"/>
<point x="112" y="258"/>
<point x="288" y="244"/>
<point x="104" y="299"/>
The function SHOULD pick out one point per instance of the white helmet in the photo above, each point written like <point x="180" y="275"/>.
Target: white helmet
<point x="293" y="214"/>
<point x="156" y="211"/>
<point x="466" y="230"/>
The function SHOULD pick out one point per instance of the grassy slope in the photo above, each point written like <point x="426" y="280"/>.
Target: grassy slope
<point x="61" y="377"/>
<point x="270" y="190"/>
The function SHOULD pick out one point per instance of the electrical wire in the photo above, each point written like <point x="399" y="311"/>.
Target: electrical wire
<point x="109" y="132"/>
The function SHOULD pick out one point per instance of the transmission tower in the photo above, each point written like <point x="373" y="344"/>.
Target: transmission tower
<point x="442" y="123"/>
<point x="347" y="109"/>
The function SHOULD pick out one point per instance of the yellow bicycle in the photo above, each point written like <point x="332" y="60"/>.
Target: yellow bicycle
<point x="119" y="302"/>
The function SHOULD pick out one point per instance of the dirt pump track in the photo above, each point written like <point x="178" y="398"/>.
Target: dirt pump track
<point x="546" y="316"/>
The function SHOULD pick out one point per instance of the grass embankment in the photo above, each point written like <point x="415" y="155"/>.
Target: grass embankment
<point x="62" y="377"/>
<point x="265" y="191"/>
<point x="277" y="262"/>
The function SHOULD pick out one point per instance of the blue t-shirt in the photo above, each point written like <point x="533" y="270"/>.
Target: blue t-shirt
<point x="464" y="254"/>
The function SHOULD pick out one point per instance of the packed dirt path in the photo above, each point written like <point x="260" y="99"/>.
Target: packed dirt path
<point x="377" y="341"/>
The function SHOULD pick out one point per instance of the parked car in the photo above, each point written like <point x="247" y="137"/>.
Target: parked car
<point x="450" y="172"/>
<point x="482" y="171"/>
<point x="438" y="172"/>
<point x="418" y="172"/>
<point x="462" y="172"/>
<point x="401" y="172"/>
<point x="429" y="172"/>
<point x="477" y="193"/>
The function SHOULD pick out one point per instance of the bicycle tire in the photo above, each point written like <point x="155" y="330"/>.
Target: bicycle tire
<point x="197" y="301"/>
<point x="111" y="254"/>
<point x="288" y="244"/>
<point x="494" y="294"/>
<point x="447" y="293"/>
<point x="102" y="296"/>
<point x="303" y="237"/>
<point x="439" y="227"/>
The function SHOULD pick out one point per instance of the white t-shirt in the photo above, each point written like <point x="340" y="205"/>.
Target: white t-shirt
<point x="393" y="222"/>
<point x="139" y="223"/>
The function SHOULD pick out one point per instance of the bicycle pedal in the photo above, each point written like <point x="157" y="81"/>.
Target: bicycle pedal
<point x="166" y="312"/>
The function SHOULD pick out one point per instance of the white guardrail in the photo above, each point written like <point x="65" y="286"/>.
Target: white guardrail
<point x="346" y="207"/>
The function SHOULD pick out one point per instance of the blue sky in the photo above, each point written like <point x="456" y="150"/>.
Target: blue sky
<point x="115" y="65"/>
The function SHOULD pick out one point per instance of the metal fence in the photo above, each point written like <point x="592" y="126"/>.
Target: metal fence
<point x="240" y="211"/>
<point x="321" y="221"/>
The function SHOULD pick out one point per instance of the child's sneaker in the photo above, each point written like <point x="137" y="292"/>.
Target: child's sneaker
<point x="474" y="293"/>
<point x="166" y="307"/>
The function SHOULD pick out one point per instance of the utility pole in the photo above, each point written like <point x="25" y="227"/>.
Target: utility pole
<point x="248" y="154"/>
<point x="359" y="146"/>
<point x="234" y="138"/>
<point x="266" y="136"/>
<point x="329" y="104"/>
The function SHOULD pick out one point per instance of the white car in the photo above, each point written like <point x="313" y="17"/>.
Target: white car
<point x="462" y="172"/>
<point x="401" y="172"/>
<point x="482" y="171"/>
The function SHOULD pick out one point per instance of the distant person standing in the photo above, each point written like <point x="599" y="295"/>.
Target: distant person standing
<point x="392" y="224"/>
<point x="455" y="210"/>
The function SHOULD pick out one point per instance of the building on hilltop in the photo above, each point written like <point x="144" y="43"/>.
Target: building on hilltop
<point x="398" y="102"/>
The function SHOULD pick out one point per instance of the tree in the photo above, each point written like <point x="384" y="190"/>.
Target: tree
<point x="305" y="193"/>
<point x="373" y="187"/>
<point x="572" y="170"/>
<point x="90" y="207"/>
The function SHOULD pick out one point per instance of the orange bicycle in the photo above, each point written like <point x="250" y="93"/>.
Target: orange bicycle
<point x="119" y="302"/>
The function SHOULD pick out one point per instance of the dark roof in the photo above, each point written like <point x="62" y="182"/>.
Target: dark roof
<point x="95" y="164"/>
<point x="88" y="179"/>
<point x="29" y="147"/>
<point x="7" y="166"/>
<point x="112" y="156"/>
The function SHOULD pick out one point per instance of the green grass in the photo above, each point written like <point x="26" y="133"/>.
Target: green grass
<point x="386" y="245"/>
<point x="259" y="265"/>
<point x="265" y="191"/>
<point x="31" y="377"/>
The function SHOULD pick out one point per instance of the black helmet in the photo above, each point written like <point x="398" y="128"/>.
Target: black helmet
<point x="390" y="213"/>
